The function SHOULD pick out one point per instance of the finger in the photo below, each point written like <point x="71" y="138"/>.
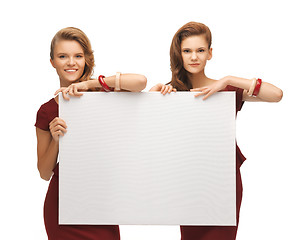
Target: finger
<point x="198" y="89"/>
<point x="174" y="90"/>
<point x="59" y="90"/>
<point x="209" y="94"/>
<point x="58" y="128"/>
<point x="167" y="88"/>
<point x="203" y="92"/>
<point x="61" y="124"/>
<point x="163" y="88"/>
<point x="61" y="133"/>
<point x="170" y="89"/>
<point x="71" y="91"/>
<point x="54" y="128"/>
<point x="65" y="96"/>
<point x="157" y="87"/>
<point x="54" y="120"/>
<point x="198" y="94"/>
<point x="76" y="93"/>
<point x="57" y="121"/>
<point x="56" y="135"/>
<point x="194" y="90"/>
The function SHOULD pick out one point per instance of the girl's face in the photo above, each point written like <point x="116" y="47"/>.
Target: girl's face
<point x="195" y="53"/>
<point x="69" y="61"/>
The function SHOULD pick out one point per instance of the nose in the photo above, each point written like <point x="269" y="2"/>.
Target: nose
<point x="194" y="56"/>
<point x="71" y="61"/>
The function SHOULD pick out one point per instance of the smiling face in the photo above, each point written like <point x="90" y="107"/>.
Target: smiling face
<point x="195" y="53"/>
<point x="69" y="61"/>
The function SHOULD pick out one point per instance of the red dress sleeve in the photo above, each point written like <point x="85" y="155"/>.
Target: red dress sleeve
<point x="47" y="112"/>
<point x="42" y="119"/>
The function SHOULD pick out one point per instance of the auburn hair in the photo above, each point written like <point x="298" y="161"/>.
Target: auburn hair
<point x="180" y="79"/>
<point x="72" y="33"/>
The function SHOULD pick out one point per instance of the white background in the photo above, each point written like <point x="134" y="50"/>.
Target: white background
<point x="250" y="39"/>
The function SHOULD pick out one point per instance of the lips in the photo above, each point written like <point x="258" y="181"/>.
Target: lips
<point x="194" y="64"/>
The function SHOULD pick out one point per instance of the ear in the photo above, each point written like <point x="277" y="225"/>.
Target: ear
<point x="52" y="63"/>
<point x="210" y="53"/>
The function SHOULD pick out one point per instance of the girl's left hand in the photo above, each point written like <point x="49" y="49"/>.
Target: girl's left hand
<point x="162" y="88"/>
<point x="73" y="90"/>
<point x="211" y="89"/>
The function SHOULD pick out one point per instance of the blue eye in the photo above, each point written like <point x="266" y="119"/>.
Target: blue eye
<point x="186" y="50"/>
<point x="62" y="56"/>
<point x="79" y="56"/>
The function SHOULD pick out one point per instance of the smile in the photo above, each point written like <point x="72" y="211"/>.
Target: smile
<point x="194" y="64"/>
<point x="70" y="70"/>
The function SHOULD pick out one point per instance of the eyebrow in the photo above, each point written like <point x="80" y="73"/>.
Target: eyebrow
<point x="186" y="48"/>
<point x="62" y="53"/>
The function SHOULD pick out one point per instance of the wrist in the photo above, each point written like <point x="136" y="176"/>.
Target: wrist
<point x="92" y="83"/>
<point x="110" y="81"/>
<point x="227" y="80"/>
<point x="105" y="83"/>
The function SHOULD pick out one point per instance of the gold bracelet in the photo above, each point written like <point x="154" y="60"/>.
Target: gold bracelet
<point x="117" y="82"/>
<point x="251" y="89"/>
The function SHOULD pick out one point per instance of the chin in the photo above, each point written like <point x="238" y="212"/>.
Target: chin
<point x="194" y="71"/>
<point x="72" y="80"/>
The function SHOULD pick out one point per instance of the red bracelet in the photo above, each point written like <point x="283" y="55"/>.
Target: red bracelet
<point x="103" y="84"/>
<point x="257" y="87"/>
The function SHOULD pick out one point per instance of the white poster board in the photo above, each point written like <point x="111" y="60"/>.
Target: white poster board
<point x="145" y="158"/>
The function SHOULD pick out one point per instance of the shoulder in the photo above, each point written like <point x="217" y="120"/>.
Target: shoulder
<point x="49" y="107"/>
<point x="46" y="113"/>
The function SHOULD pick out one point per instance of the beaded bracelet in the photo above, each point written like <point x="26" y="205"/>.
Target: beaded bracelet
<point x="103" y="84"/>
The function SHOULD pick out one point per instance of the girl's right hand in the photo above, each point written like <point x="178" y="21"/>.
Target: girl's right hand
<point x="73" y="90"/>
<point x="58" y="127"/>
<point x="163" y="89"/>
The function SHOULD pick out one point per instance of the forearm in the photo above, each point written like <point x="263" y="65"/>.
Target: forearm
<point x="267" y="92"/>
<point x="47" y="162"/>
<point x="129" y="82"/>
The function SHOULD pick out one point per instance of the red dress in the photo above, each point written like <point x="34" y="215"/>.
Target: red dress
<point x="221" y="232"/>
<point x="46" y="113"/>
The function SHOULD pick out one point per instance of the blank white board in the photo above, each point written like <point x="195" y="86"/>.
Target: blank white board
<point x="145" y="158"/>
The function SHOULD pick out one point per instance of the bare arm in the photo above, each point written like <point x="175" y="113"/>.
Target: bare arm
<point x="267" y="92"/>
<point x="47" y="147"/>
<point x="129" y="82"/>
<point x="47" y="151"/>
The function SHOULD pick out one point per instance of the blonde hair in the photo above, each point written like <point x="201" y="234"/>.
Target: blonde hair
<point x="71" y="33"/>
